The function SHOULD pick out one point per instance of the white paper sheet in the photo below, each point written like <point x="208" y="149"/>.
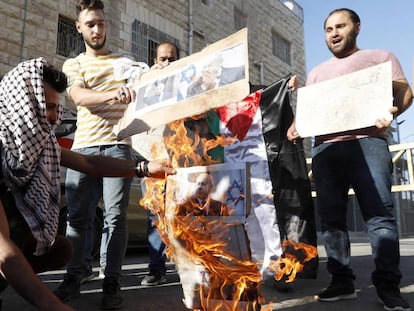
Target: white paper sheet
<point x="349" y="102"/>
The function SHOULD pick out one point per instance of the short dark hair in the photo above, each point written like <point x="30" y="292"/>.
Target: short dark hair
<point x="352" y="14"/>
<point x="88" y="5"/>
<point x="177" y="50"/>
<point x="55" y="78"/>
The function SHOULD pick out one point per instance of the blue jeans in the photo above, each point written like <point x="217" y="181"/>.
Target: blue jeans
<point x="366" y="165"/>
<point x="82" y="193"/>
<point x="156" y="248"/>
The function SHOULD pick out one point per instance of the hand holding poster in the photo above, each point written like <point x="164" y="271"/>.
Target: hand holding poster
<point x="349" y="102"/>
<point x="214" y="77"/>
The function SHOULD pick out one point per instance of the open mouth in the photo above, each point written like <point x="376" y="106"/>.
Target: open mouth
<point x="336" y="41"/>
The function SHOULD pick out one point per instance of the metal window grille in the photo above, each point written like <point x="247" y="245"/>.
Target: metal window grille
<point x="145" y="40"/>
<point x="152" y="51"/>
<point x="240" y="19"/>
<point x="69" y="41"/>
<point x="281" y="47"/>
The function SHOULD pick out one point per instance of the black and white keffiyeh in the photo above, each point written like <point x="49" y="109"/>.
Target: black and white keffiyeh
<point x="30" y="155"/>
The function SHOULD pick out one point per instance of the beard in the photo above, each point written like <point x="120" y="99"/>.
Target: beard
<point x="95" y="46"/>
<point x="348" y="44"/>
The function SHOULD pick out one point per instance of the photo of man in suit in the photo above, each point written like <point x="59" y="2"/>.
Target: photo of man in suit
<point x="200" y="203"/>
<point x="214" y="75"/>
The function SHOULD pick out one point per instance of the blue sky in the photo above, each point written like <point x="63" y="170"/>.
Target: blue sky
<point x="384" y="24"/>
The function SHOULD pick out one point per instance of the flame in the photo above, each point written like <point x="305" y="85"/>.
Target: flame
<point x="231" y="283"/>
<point x="293" y="259"/>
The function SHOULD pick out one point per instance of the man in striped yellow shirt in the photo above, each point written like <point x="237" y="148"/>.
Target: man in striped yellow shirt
<point x="101" y="101"/>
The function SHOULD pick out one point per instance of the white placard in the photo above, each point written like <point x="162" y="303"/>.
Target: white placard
<point x="349" y="102"/>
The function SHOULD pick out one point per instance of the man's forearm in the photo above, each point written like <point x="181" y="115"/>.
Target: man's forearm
<point x="89" y="98"/>
<point x="403" y="95"/>
<point x="97" y="165"/>
<point x="19" y="274"/>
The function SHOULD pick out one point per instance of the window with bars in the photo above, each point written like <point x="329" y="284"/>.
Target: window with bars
<point x="240" y="19"/>
<point x="145" y="40"/>
<point x="281" y="47"/>
<point x="69" y="41"/>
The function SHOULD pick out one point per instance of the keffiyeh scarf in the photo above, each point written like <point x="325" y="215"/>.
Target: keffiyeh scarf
<point x="30" y="154"/>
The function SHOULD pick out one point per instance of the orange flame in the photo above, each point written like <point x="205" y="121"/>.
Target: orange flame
<point x="293" y="260"/>
<point x="232" y="283"/>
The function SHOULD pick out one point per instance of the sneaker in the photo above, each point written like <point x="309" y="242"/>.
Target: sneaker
<point x="69" y="289"/>
<point x="153" y="279"/>
<point x="111" y="298"/>
<point x="88" y="275"/>
<point x="392" y="300"/>
<point x="337" y="290"/>
<point x="101" y="274"/>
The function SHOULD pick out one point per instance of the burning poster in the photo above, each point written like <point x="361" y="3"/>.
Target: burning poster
<point x="244" y="140"/>
<point x="206" y="206"/>
<point x="209" y="191"/>
<point x="217" y="75"/>
<point x="223" y="250"/>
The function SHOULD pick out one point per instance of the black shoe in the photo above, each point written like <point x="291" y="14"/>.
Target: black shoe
<point x="69" y="289"/>
<point x="283" y="286"/>
<point x="337" y="290"/>
<point x="153" y="279"/>
<point x="310" y="269"/>
<point x="3" y="283"/>
<point x="392" y="300"/>
<point x="87" y="275"/>
<point x="111" y="298"/>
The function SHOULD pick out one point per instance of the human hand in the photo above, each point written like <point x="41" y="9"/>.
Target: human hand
<point x="383" y="123"/>
<point x="292" y="134"/>
<point x="124" y="95"/>
<point x="293" y="83"/>
<point x="160" y="168"/>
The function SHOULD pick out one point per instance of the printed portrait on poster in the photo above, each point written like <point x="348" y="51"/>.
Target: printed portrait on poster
<point x="213" y="190"/>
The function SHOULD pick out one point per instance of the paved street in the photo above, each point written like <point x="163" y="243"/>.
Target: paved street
<point x="168" y="297"/>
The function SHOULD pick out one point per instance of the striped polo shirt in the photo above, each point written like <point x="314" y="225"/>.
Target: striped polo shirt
<point x="95" y="123"/>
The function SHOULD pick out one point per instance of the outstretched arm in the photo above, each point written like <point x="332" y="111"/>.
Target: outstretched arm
<point x="88" y="98"/>
<point x="19" y="274"/>
<point x="112" y="167"/>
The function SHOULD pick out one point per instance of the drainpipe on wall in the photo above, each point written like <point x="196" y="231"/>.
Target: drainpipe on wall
<point x="22" y="37"/>
<point x="190" y="27"/>
<point x="261" y="70"/>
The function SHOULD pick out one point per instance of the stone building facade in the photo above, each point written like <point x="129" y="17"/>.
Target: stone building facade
<point x="32" y="28"/>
